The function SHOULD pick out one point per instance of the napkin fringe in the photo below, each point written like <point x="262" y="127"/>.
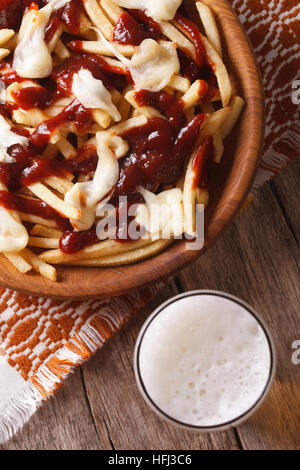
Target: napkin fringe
<point x="81" y="347"/>
<point x="87" y="341"/>
<point x="50" y="376"/>
<point x="18" y="410"/>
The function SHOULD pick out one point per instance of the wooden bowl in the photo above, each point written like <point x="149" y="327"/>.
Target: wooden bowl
<point x="231" y="185"/>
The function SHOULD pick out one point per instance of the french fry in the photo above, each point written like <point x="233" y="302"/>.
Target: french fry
<point x="81" y="140"/>
<point x="53" y="111"/>
<point x="55" y="202"/>
<point x="34" y="219"/>
<point x="84" y="26"/>
<point x="124" y="108"/>
<point x="148" y="111"/>
<point x="41" y="242"/>
<point x="127" y="125"/>
<point x="189" y="201"/>
<point x="98" y="47"/>
<point x="115" y="63"/>
<point x="191" y="192"/>
<point x="115" y="96"/>
<point x="50" y="152"/>
<point x="179" y="83"/>
<point x="52" y="44"/>
<point x="47" y="232"/>
<point x="5" y="35"/>
<point x="4" y="53"/>
<point x="46" y="270"/>
<point x="122" y="69"/>
<point x="31" y="117"/>
<point x="112" y="10"/>
<point x="194" y="94"/>
<point x="218" y="145"/>
<point x="61" y="51"/>
<point x="220" y="72"/>
<point x="62" y="185"/>
<point x="190" y="113"/>
<point x="11" y="44"/>
<point x="17" y="86"/>
<point x="98" y="18"/>
<point x="66" y="148"/>
<point x="210" y="26"/>
<point x="236" y="106"/>
<point x="212" y="127"/>
<point x="102" y="118"/>
<point x="19" y="262"/>
<point x="129" y="257"/>
<point x="178" y="38"/>
<point x="103" y="248"/>
<point x="215" y="121"/>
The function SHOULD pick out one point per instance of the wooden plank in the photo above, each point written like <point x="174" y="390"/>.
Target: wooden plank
<point x="257" y="261"/>
<point x="286" y="190"/>
<point x="63" y="423"/>
<point x="113" y="394"/>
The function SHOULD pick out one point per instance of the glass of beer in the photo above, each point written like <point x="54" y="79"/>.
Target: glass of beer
<point x="204" y="360"/>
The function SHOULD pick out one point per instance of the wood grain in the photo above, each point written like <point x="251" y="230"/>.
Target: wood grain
<point x="257" y="259"/>
<point x="228" y="191"/>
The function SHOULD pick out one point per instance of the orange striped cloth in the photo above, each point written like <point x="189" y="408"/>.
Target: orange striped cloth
<point x="42" y="341"/>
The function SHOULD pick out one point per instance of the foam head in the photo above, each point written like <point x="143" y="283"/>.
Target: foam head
<point x="204" y="360"/>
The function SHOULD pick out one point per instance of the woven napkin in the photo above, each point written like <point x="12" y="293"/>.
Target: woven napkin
<point x="42" y="341"/>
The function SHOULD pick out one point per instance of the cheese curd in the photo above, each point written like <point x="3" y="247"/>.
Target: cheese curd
<point x="7" y="139"/>
<point x="162" y="215"/>
<point x="86" y="196"/>
<point x="32" y="58"/>
<point x="92" y="93"/>
<point x="157" y="9"/>
<point x="13" y="235"/>
<point x="154" y="64"/>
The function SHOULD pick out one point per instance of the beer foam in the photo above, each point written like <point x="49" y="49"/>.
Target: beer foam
<point x="204" y="360"/>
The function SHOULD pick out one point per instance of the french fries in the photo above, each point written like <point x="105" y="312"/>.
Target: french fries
<point x="48" y="232"/>
<point x="104" y="248"/>
<point x="236" y="106"/>
<point x="194" y="94"/>
<point x="147" y="111"/>
<point x="18" y="262"/>
<point x="70" y="194"/>
<point x="129" y="257"/>
<point x="39" y="265"/>
<point x="53" y="201"/>
<point x="41" y="242"/>
<point x="210" y="26"/>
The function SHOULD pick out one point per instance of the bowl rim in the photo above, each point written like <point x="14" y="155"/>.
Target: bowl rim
<point x="174" y="257"/>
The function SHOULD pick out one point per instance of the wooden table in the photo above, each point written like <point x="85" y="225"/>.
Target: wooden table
<point x="257" y="259"/>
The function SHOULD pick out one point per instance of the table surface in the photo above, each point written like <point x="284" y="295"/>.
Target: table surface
<point x="257" y="259"/>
